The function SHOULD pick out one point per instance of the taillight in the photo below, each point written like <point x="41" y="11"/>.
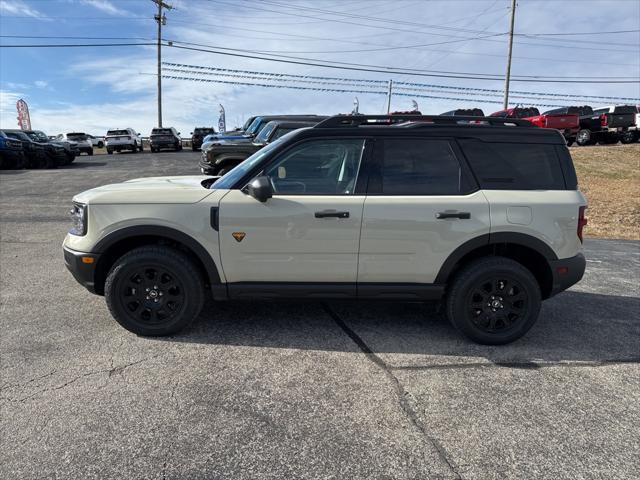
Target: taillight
<point x="603" y="120"/>
<point x="582" y="221"/>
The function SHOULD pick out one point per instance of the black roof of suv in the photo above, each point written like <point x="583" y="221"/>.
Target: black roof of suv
<point x="477" y="140"/>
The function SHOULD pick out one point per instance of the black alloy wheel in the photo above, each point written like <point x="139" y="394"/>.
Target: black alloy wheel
<point x="154" y="290"/>
<point x="494" y="300"/>
<point x="497" y="303"/>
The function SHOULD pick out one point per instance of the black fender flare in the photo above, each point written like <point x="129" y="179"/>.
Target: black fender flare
<point x="487" y="239"/>
<point x="166" y="232"/>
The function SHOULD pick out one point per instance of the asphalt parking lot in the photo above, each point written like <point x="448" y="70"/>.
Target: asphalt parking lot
<point x="301" y="390"/>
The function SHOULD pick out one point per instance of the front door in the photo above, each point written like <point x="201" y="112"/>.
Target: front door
<point x="308" y="232"/>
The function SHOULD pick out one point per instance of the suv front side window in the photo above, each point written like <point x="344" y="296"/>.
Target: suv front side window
<point x="318" y="167"/>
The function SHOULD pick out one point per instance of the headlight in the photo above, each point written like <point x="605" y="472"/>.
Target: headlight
<point x="78" y="219"/>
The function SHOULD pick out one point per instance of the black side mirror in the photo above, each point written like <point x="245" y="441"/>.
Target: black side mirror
<point x="260" y="189"/>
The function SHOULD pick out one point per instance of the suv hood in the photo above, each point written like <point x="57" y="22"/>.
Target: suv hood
<point x="169" y="190"/>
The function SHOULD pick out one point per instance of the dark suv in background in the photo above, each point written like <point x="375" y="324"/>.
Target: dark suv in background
<point x="198" y="135"/>
<point x="219" y="159"/>
<point x="165" y="138"/>
<point x="11" y="152"/>
<point x="37" y="155"/>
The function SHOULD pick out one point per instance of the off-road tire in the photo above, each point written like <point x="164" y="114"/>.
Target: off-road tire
<point x="176" y="278"/>
<point x="469" y="301"/>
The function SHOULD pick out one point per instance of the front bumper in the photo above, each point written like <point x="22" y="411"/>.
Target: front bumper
<point x="566" y="272"/>
<point x="83" y="272"/>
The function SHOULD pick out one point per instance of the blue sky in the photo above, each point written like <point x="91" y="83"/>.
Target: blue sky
<point x="93" y="89"/>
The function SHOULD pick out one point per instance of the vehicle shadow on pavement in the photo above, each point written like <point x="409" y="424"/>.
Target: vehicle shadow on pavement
<point x="76" y="165"/>
<point x="573" y="327"/>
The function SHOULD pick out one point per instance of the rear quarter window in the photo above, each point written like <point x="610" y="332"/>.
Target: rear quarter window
<point x="514" y="166"/>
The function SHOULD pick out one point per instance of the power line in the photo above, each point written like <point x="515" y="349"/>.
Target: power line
<point x="201" y="69"/>
<point x="365" y="82"/>
<point x="319" y="63"/>
<point x="445" y="72"/>
<point x="374" y="92"/>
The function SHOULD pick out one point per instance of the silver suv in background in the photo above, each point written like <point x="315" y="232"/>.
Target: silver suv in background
<point x="84" y="144"/>
<point x="123" y="139"/>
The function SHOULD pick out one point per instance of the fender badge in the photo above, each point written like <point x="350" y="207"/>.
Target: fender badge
<point x="239" y="236"/>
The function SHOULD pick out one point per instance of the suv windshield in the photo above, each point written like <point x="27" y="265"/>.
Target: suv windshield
<point x="117" y="132"/>
<point x="18" y="135"/>
<point x="263" y="136"/>
<point x="255" y="125"/>
<point x="38" y="136"/>
<point x="161" y="131"/>
<point x="240" y="171"/>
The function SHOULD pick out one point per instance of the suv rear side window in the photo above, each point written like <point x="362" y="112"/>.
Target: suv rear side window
<point x="420" y="166"/>
<point x="514" y="166"/>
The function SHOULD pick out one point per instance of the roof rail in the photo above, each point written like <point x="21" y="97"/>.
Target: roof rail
<point x="410" y="120"/>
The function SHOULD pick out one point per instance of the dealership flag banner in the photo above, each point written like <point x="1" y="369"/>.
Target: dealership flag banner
<point x="24" y="121"/>
<point x="222" y="122"/>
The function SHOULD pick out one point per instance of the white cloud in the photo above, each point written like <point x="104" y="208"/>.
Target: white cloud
<point x="8" y="112"/>
<point x="41" y="84"/>
<point x="19" y="8"/>
<point x="105" y="6"/>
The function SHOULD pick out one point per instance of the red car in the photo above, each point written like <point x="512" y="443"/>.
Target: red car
<point x="567" y="123"/>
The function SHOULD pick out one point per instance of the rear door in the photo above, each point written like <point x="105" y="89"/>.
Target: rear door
<point x="422" y="204"/>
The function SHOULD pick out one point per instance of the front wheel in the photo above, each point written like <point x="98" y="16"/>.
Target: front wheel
<point x="493" y="301"/>
<point x="154" y="291"/>
<point x="109" y="151"/>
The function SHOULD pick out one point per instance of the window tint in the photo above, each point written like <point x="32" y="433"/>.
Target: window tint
<point x="420" y="166"/>
<point x="514" y="166"/>
<point x="117" y="132"/>
<point x="318" y="167"/>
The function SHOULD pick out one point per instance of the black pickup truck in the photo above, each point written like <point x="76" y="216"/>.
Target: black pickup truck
<point x="198" y="135"/>
<point x="618" y="121"/>
<point x="218" y="159"/>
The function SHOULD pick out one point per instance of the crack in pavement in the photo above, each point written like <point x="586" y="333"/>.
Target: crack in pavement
<point x="110" y="372"/>
<point x="400" y="391"/>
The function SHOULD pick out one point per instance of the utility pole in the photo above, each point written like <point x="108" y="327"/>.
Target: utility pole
<point x="389" y="97"/>
<point x="162" y="20"/>
<point x="508" y="75"/>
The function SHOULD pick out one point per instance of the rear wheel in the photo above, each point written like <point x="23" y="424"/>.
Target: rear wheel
<point x="134" y="149"/>
<point x="628" y="137"/>
<point x="493" y="301"/>
<point x="154" y="291"/>
<point x="584" y="137"/>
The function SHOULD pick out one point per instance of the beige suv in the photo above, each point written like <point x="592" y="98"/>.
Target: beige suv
<point x="481" y="213"/>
